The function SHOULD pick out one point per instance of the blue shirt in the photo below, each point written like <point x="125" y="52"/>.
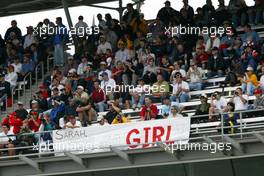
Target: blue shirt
<point x="28" y="67"/>
<point x="61" y="35"/>
<point x="253" y="34"/>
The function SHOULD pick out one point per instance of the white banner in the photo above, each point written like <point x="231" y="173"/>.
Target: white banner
<point x="124" y="136"/>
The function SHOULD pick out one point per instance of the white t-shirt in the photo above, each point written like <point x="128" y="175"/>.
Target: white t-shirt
<point x="12" y="78"/>
<point x="122" y="55"/>
<point x="4" y="138"/>
<point x="221" y="103"/>
<point x="17" y="67"/>
<point x="77" y="124"/>
<point x="103" y="47"/>
<point x="108" y="84"/>
<point x="261" y="81"/>
<point x="239" y="105"/>
<point x="183" y="85"/>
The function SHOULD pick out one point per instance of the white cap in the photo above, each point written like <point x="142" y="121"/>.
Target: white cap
<point x="80" y="87"/>
<point x="203" y="95"/>
<point x="250" y="69"/>
<point x="34" y="101"/>
<point x="103" y="63"/>
<point x="73" y="70"/>
<point x="20" y="103"/>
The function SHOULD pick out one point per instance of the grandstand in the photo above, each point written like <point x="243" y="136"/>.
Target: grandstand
<point x="132" y="94"/>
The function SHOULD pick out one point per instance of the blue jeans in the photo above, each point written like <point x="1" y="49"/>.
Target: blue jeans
<point x="195" y="86"/>
<point x="248" y="88"/>
<point x="141" y="100"/>
<point x="58" y="55"/>
<point x="183" y="97"/>
<point x="100" y="106"/>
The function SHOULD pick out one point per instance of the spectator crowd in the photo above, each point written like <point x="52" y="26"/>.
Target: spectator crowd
<point x="137" y="53"/>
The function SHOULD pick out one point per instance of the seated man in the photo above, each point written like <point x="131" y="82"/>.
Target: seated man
<point x="240" y="100"/>
<point x="259" y="101"/>
<point x="180" y="89"/>
<point x="149" y="111"/>
<point x="249" y="82"/>
<point x="160" y="89"/>
<point x="175" y="113"/>
<point x="108" y="85"/>
<point x="11" y="76"/>
<point x="165" y="109"/>
<point x="98" y="97"/>
<point x="86" y="113"/>
<point x="34" y="121"/>
<point x="202" y="109"/>
<point x="73" y="123"/>
<point x="114" y="109"/>
<point x="138" y="94"/>
<point x="218" y="105"/>
<point x="6" y="140"/>
<point x="46" y="125"/>
<point x="195" y="75"/>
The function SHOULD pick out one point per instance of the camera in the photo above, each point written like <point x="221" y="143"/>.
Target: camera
<point x="236" y="93"/>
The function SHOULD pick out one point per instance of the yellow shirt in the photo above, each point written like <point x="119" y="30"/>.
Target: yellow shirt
<point x="253" y="79"/>
<point x="124" y="120"/>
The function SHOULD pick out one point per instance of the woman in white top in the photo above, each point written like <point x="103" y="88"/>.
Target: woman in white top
<point x="174" y="113"/>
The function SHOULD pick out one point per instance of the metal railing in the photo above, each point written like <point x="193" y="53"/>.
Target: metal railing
<point x="39" y="67"/>
<point x="28" y="75"/>
<point x="49" y="58"/>
<point x="240" y="133"/>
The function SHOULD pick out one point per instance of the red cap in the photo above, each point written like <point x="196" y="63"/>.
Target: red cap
<point x="258" y="91"/>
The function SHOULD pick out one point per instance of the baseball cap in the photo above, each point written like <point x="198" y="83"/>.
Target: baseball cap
<point x="250" y="69"/>
<point x="34" y="101"/>
<point x="103" y="63"/>
<point x="80" y="87"/>
<point x="104" y="74"/>
<point x="203" y="96"/>
<point x="20" y="103"/>
<point x="73" y="70"/>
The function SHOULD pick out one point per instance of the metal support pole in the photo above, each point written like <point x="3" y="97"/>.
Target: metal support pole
<point x="13" y="100"/>
<point x="36" y="74"/>
<point x="120" y="10"/>
<point x="67" y="13"/>
<point x="222" y="126"/>
<point x="241" y="130"/>
<point x="42" y="72"/>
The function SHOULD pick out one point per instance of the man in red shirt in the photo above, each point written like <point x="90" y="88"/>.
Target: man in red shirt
<point x="98" y="96"/>
<point x="34" y="121"/>
<point x="149" y="111"/>
<point x="201" y="56"/>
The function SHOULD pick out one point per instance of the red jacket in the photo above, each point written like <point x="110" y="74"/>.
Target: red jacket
<point x="153" y="112"/>
<point x="13" y="121"/>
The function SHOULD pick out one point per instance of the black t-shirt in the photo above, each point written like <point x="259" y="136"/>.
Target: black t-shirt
<point x="110" y="116"/>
